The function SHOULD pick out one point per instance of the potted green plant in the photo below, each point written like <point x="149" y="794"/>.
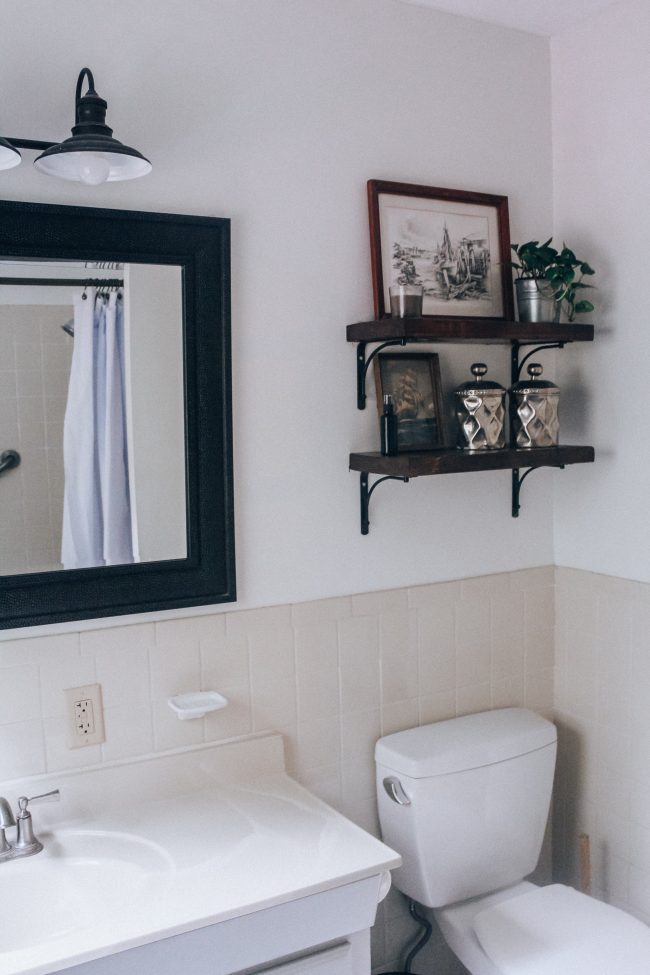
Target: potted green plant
<point x="547" y="279"/>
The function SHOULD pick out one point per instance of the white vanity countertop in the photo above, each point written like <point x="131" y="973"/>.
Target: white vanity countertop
<point x="141" y="851"/>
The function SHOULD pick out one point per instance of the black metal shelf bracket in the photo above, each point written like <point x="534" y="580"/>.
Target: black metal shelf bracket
<point x="366" y="493"/>
<point x="516" y="366"/>
<point x="517" y="481"/>
<point x="363" y="364"/>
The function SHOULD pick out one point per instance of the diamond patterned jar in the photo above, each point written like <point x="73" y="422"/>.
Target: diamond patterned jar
<point x="481" y="412"/>
<point x="534" y="405"/>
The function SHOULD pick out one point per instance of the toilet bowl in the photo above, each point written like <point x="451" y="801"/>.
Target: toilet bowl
<point x="465" y="802"/>
<point x="554" y="930"/>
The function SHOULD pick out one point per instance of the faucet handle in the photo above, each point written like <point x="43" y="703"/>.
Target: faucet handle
<point x="23" y="801"/>
<point x="26" y="843"/>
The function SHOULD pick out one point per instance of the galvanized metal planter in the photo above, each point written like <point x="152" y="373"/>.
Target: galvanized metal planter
<point x="536" y="301"/>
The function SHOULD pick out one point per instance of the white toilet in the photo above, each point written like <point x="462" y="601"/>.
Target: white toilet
<point x="465" y="802"/>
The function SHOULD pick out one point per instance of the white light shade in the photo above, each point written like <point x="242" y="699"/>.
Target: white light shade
<point x="92" y="167"/>
<point x="9" y="157"/>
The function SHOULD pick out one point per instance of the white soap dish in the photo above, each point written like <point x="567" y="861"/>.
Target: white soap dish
<point x="196" y="704"/>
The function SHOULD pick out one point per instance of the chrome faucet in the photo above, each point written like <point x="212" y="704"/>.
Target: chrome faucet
<point x="26" y="844"/>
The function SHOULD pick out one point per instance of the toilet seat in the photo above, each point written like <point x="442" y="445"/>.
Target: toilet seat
<point x="557" y="931"/>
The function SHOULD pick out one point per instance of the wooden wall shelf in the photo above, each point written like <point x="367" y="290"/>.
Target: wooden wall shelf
<point x="388" y="331"/>
<point x="385" y="332"/>
<point x="426" y="462"/>
<point x="478" y="330"/>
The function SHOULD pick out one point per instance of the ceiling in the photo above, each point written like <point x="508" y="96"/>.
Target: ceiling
<point x="535" y="16"/>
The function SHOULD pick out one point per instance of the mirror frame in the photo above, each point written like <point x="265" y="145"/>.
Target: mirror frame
<point x="201" y="246"/>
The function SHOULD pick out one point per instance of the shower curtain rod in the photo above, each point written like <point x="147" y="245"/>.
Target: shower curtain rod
<point x="67" y="282"/>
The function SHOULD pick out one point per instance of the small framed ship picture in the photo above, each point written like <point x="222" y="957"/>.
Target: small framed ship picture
<point x="413" y="382"/>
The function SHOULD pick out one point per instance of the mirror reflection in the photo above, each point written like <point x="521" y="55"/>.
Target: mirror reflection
<point x="92" y="400"/>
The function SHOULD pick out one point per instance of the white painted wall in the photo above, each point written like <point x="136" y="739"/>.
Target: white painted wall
<point x="275" y="113"/>
<point x="601" y="134"/>
<point x="601" y="81"/>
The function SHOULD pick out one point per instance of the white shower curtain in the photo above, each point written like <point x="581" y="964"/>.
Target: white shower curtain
<point x="97" y="526"/>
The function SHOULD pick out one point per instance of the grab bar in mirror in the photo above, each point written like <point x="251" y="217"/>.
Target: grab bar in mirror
<point x="9" y="459"/>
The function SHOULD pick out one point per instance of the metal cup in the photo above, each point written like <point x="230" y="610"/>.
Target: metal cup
<point x="406" y="300"/>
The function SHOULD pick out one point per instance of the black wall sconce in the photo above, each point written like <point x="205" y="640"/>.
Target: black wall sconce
<point x="91" y="155"/>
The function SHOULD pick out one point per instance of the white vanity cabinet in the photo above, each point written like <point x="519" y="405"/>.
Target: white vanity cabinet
<point x="209" y="862"/>
<point x="347" y="957"/>
<point x="324" y="934"/>
<point x="339" y="959"/>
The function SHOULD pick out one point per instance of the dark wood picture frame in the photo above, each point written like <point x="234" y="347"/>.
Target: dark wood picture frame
<point x="420" y="414"/>
<point x="471" y="265"/>
<point x="201" y="247"/>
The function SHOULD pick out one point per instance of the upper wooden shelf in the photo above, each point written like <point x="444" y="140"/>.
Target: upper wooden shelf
<point x="468" y="330"/>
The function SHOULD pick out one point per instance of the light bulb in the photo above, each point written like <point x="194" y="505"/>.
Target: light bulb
<point x="93" y="169"/>
<point x="9" y="157"/>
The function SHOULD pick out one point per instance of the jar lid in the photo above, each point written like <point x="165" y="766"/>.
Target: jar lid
<point x="478" y="384"/>
<point x="534" y="383"/>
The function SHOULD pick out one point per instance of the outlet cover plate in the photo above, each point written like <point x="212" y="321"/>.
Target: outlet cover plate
<point x="85" y="713"/>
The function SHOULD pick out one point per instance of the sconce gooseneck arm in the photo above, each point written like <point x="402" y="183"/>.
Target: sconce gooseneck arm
<point x="84" y="73"/>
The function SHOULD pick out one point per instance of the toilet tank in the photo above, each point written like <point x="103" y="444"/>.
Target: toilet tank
<point x="466" y="802"/>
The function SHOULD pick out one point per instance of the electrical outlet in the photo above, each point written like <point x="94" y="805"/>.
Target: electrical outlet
<point x="85" y="715"/>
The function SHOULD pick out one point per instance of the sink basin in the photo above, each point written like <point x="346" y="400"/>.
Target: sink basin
<point x="213" y="854"/>
<point x="89" y="848"/>
<point x="80" y="876"/>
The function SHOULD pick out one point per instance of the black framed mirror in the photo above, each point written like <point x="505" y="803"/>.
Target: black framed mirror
<point x="115" y="413"/>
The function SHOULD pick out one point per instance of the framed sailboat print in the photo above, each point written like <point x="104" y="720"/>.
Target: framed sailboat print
<point x="454" y="243"/>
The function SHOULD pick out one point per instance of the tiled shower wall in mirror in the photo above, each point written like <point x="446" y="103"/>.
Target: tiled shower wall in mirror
<point x="35" y="355"/>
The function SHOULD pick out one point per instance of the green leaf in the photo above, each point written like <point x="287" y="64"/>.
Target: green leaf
<point x="582" y="306"/>
<point x="548" y="257"/>
<point x="560" y="275"/>
<point x="585" y="269"/>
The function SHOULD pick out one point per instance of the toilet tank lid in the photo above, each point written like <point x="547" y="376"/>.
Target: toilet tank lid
<point x="459" y="744"/>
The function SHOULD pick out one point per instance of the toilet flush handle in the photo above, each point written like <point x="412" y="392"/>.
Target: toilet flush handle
<point x="394" y="789"/>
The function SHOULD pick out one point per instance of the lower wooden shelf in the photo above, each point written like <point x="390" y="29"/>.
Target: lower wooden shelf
<point x="425" y="463"/>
